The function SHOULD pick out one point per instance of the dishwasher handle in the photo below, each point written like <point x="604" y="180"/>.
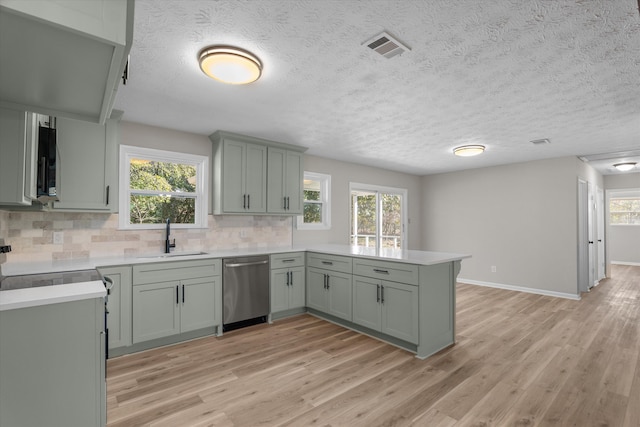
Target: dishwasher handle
<point x="245" y="264"/>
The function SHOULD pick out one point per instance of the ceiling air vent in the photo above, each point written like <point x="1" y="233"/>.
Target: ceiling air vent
<point x="386" y="45"/>
<point x="541" y="141"/>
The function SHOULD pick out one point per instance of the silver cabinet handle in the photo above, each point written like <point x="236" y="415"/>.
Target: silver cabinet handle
<point x="327" y="262"/>
<point x="288" y="260"/>
<point x="377" y="270"/>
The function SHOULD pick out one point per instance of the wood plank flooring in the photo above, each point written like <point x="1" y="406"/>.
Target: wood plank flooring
<point x="520" y="360"/>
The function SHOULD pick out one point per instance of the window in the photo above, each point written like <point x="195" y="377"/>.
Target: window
<point x="378" y="216"/>
<point x="624" y="208"/>
<point x="157" y="185"/>
<point x="317" y="206"/>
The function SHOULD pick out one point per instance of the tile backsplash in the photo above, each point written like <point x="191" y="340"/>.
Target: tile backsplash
<point x="96" y="235"/>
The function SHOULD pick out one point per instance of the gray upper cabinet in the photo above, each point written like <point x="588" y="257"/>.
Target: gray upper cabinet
<point x="239" y="177"/>
<point x="249" y="177"/>
<point x="64" y="59"/>
<point x="86" y="173"/>
<point x="284" y="181"/>
<point x="15" y="153"/>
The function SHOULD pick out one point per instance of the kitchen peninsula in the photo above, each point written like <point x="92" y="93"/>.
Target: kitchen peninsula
<point x="406" y="298"/>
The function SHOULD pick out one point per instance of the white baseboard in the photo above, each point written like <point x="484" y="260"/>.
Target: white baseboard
<point x="637" y="264"/>
<point x="520" y="289"/>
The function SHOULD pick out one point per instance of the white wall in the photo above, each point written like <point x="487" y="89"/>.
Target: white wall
<point x="341" y="174"/>
<point x="520" y="218"/>
<point x="623" y="242"/>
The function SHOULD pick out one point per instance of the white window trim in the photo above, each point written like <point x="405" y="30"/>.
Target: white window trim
<point x="201" y="163"/>
<point x="355" y="186"/>
<point x="631" y="193"/>
<point x="325" y="192"/>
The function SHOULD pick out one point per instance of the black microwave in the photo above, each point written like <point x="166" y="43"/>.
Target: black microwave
<point x="46" y="176"/>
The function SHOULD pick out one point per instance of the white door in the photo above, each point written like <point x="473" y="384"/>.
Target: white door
<point x="583" y="237"/>
<point x="600" y="236"/>
<point x="591" y="223"/>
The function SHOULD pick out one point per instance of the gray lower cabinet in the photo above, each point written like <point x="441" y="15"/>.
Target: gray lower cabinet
<point x="52" y="365"/>
<point x="387" y="307"/>
<point x="287" y="281"/>
<point x="118" y="306"/>
<point x="330" y="292"/>
<point x="175" y="297"/>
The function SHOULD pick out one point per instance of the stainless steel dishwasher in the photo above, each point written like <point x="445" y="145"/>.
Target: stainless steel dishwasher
<point x="245" y="289"/>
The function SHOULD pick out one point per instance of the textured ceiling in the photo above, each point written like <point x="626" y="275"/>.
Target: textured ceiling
<point x="499" y="73"/>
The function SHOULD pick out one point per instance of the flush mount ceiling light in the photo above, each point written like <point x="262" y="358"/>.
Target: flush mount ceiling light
<point x="625" y="167"/>
<point x="230" y="65"/>
<point x="468" y="150"/>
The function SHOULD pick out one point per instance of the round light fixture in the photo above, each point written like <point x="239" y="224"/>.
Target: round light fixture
<point x="468" y="150"/>
<point x="625" y="167"/>
<point x="230" y="65"/>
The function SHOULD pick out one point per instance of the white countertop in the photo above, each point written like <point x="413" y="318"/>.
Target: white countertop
<point x="44" y="295"/>
<point x="408" y="256"/>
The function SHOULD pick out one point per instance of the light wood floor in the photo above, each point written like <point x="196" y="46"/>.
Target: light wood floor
<point x="521" y="360"/>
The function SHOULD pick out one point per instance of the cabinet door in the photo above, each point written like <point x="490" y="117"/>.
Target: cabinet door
<point x="339" y="300"/>
<point x="279" y="290"/>
<point x="366" y="302"/>
<point x="156" y="311"/>
<point x="294" y="175"/>
<point x="400" y="311"/>
<point x="198" y="305"/>
<point x="13" y="157"/>
<point x="85" y="151"/>
<point x="316" y="292"/>
<point x="296" y="288"/>
<point x="233" y="176"/>
<point x="256" y="178"/>
<point x="119" y="306"/>
<point x="276" y="180"/>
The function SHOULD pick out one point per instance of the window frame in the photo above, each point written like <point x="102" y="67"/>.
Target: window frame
<point x="403" y="192"/>
<point x="325" y="201"/>
<point x="201" y="164"/>
<point x="632" y="194"/>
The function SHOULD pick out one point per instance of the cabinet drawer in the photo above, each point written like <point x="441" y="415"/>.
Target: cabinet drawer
<point x="385" y="270"/>
<point x="291" y="259"/>
<point x="175" y="270"/>
<point x="329" y="262"/>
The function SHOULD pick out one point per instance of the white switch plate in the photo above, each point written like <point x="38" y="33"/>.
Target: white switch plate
<point x="493" y="268"/>
<point x="58" y="237"/>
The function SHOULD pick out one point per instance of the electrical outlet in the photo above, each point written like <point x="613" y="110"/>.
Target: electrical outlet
<point x="58" y="237"/>
<point x="493" y="269"/>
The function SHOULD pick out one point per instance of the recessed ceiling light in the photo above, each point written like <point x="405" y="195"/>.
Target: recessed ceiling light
<point x="625" y="167"/>
<point x="230" y="64"/>
<point x="468" y="150"/>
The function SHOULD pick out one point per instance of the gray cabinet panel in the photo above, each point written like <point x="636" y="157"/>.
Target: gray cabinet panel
<point x="316" y="290"/>
<point x="400" y="307"/>
<point x="339" y="295"/>
<point x="255" y="178"/>
<point x="284" y="181"/>
<point x="156" y="311"/>
<point x="197" y="299"/>
<point x="14" y="160"/>
<point x="366" y="302"/>
<point x="297" y="288"/>
<point x="52" y="365"/>
<point x="86" y="166"/>
<point x="119" y="306"/>
<point x="233" y="176"/>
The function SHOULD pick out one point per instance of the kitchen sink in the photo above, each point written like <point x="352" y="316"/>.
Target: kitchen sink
<point x="172" y="255"/>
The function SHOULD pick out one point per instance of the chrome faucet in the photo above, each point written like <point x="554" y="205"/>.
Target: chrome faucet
<point x="167" y="243"/>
